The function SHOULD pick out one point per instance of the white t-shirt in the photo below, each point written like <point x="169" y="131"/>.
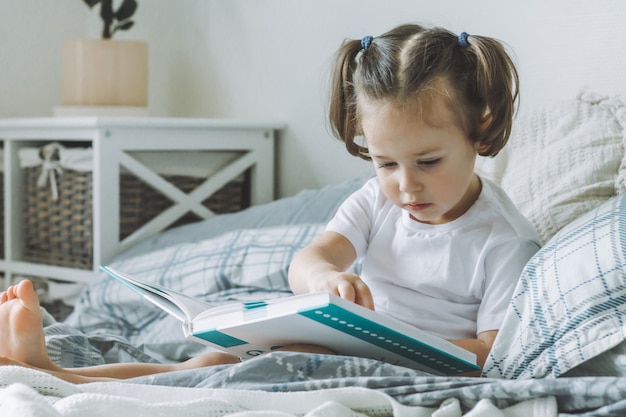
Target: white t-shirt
<point x="454" y="280"/>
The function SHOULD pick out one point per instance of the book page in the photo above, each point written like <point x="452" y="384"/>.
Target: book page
<point x="179" y="305"/>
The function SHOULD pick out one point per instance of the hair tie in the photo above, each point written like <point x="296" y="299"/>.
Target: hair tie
<point x="463" y="40"/>
<point x="366" y="42"/>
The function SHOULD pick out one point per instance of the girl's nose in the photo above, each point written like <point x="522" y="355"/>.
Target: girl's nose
<point x="409" y="181"/>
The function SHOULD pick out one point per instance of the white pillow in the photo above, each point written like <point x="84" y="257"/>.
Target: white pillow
<point x="570" y="303"/>
<point x="562" y="161"/>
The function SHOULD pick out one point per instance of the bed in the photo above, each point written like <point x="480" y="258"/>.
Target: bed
<point x="560" y="351"/>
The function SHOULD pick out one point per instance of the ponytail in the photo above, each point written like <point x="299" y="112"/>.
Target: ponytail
<point x="342" y="112"/>
<point x="497" y="84"/>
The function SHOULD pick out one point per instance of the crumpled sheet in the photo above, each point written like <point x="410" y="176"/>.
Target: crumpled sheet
<point x="26" y="392"/>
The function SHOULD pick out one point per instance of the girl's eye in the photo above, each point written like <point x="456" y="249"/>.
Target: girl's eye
<point x="429" y="162"/>
<point x="386" y="164"/>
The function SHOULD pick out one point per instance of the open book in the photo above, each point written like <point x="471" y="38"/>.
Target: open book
<point x="249" y="329"/>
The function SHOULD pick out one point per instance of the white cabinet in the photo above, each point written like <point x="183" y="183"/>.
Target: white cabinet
<point x="141" y="147"/>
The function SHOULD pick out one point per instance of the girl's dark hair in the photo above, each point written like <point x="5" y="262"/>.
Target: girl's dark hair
<point x="409" y="60"/>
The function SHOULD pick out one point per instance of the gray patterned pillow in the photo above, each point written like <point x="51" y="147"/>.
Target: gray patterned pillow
<point x="570" y="303"/>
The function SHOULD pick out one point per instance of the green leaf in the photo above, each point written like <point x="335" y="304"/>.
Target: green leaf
<point x="125" y="25"/>
<point x="126" y="10"/>
<point x="91" y="3"/>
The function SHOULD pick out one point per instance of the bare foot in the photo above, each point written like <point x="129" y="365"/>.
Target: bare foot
<point x="21" y="327"/>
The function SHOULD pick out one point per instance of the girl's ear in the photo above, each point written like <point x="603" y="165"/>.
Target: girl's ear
<point x="480" y="147"/>
<point x="484" y="124"/>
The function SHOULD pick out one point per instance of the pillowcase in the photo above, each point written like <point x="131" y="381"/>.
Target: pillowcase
<point x="570" y="303"/>
<point x="562" y="161"/>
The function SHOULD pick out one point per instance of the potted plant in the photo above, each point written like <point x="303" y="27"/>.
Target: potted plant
<point x="106" y="72"/>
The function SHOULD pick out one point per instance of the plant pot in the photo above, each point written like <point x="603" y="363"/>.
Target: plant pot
<point x="104" y="72"/>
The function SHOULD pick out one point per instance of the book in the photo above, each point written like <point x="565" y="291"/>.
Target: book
<point x="249" y="329"/>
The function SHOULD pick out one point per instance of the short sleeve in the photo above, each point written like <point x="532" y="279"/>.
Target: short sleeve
<point x="503" y="268"/>
<point x="354" y="218"/>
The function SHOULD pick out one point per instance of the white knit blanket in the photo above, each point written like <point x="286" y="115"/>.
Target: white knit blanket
<point x="29" y="393"/>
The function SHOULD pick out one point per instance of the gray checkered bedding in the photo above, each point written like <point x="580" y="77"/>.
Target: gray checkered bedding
<point x="567" y="312"/>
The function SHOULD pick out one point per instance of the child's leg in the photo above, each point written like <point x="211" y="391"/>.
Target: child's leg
<point x="23" y="343"/>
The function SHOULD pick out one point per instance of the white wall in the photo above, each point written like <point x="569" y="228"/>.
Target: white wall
<point x="269" y="59"/>
<point x="30" y="52"/>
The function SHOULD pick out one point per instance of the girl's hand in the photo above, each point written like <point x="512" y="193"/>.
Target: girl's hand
<point x="347" y="286"/>
<point x="321" y="266"/>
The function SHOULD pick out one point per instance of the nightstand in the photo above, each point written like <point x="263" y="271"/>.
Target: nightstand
<point x="143" y="148"/>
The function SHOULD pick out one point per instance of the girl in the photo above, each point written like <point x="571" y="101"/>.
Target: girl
<point x="442" y="249"/>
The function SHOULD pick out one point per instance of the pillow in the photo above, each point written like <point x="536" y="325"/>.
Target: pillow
<point x="570" y="303"/>
<point x="562" y="161"/>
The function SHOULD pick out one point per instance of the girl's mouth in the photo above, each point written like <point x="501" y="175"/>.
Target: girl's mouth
<point x="418" y="206"/>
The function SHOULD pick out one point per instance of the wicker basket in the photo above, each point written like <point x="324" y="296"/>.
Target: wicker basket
<point x="60" y="232"/>
<point x="140" y="203"/>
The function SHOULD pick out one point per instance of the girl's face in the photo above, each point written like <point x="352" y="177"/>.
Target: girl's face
<point x="424" y="168"/>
